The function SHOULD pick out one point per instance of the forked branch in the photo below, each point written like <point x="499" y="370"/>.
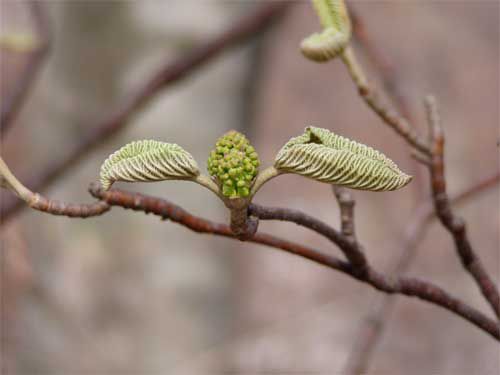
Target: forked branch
<point x="393" y="285"/>
<point x="454" y="224"/>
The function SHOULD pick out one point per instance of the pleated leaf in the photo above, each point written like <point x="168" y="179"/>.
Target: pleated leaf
<point x="336" y="33"/>
<point x="324" y="156"/>
<point x="148" y="160"/>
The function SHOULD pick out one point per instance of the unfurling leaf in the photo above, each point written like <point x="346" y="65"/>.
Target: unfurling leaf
<point x="234" y="164"/>
<point x="324" y="156"/>
<point x="148" y="161"/>
<point x="336" y="33"/>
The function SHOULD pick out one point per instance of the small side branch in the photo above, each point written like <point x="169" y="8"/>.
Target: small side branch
<point x="351" y="249"/>
<point x="40" y="203"/>
<point x="346" y="204"/>
<point x="376" y="320"/>
<point x="372" y="98"/>
<point x="79" y="210"/>
<point x="454" y="224"/>
<point x="388" y="71"/>
<point x="263" y="177"/>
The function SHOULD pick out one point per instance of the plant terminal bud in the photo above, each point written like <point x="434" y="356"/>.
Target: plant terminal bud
<point x="234" y="164"/>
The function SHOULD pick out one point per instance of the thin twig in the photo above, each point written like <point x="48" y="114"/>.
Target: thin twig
<point x="387" y="70"/>
<point x="393" y="84"/>
<point x="371" y="97"/>
<point x="34" y="200"/>
<point x="346" y="204"/>
<point x="375" y="321"/>
<point x="454" y="224"/>
<point x="374" y="324"/>
<point x="12" y="103"/>
<point x="351" y="249"/>
<point x="169" y="74"/>
<point x="393" y="285"/>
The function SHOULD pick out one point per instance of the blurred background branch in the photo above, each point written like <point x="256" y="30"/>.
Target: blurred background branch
<point x="36" y="54"/>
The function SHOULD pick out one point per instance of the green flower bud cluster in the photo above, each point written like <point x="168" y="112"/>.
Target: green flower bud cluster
<point x="234" y="163"/>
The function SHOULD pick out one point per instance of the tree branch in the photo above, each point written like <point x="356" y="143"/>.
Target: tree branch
<point x="13" y="102"/>
<point x="454" y="224"/>
<point x="171" y="73"/>
<point x="387" y="70"/>
<point x="40" y="203"/>
<point x="348" y="245"/>
<point x="346" y="204"/>
<point x="371" y="97"/>
<point x="392" y="285"/>
<point x="376" y="320"/>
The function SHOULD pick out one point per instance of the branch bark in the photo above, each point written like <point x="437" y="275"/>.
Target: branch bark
<point x="372" y="98"/>
<point x="40" y="203"/>
<point x="346" y="204"/>
<point x="454" y="224"/>
<point x="348" y="245"/>
<point x="388" y="71"/>
<point x="393" y="285"/>
<point x="375" y="322"/>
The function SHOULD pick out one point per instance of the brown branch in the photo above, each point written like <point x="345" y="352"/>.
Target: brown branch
<point x="388" y="71"/>
<point x="376" y="320"/>
<point x="80" y="210"/>
<point x="169" y="211"/>
<point x="454" y="224"/>
<point x="171" y="73"/>
<point x="346" y="204"/>
<point x="348" y="245"/>
<point x="372" y="98"/>
<point x="400" y="285"/>
<point x="12" y="103"/>
<point x="36" y="201"/>
<point x="392" y="82"/>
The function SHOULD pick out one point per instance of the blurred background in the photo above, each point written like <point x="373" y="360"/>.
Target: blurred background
<point x="126" y="293"/>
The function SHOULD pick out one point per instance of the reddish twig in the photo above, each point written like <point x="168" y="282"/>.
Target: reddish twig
<point x="392" y="118"/>
<point x="13" y="102"/>
<point x="373" y="325"/>
<point x="81" y="210"/>
<point x="372" y="98"/>
<point x="36" y="201"/>
<point x="351" y="249"/>
<point x="171" y="73"/>
<point x="393" y="84"/>
<point x="392" y="285"/>
<point x="454" y="224"/>
<point x="169" y="211"/>
<point x="376" y="321"/>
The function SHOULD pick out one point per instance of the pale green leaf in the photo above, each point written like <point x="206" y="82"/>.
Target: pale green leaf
<point x="324" y="156"/>
<point x="336" y="32"/>
<point x="148" y="160"/>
